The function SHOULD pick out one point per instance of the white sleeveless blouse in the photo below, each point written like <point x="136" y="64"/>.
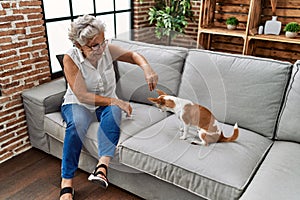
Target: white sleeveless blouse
<point x="100" y="80"/>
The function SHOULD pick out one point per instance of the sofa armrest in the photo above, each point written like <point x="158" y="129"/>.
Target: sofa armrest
<point x="37" y="102"/>
<point x="48" y="95"/>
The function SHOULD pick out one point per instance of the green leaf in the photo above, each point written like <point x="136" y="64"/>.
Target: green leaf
<point x="171" y="15"/>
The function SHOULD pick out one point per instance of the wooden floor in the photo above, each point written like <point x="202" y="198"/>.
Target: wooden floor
<point x="35" y="175"/>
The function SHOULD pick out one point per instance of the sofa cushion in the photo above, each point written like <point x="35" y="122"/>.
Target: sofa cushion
<point x="218" y="171"/>
<point x="166" y="61"/>
<point x="289" y="125"/>
<point x="279" y="175"/>
<point x="236" y="88"/>
<point x="144" y="116"/>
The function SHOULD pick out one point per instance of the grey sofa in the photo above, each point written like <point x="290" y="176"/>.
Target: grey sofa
<point x="262" y="95"/>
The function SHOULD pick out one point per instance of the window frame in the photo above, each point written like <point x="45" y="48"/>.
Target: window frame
<point x="72" y="17"/>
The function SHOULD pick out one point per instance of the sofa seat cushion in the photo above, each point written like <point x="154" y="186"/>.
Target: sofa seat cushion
<point x="144" y="116"/>
<point x="236" y="88"/>
<point x="279" y="175"/>
<point x="167" y="62"/>
<point x="217" y="171"/>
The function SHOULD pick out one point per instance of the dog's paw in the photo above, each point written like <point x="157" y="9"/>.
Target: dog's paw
<point x="194" y="142"/>
<point x="182" y="137"/>
<point x="181" y="130"/>
<point x="197" y="142"/>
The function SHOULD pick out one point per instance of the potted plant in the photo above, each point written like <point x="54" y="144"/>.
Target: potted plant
<point x="170" y="17"/>
<point x="232" y="23"/>
<point x="292" y="29"/>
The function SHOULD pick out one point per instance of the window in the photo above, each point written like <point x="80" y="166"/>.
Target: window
<point x="58" y="14"/>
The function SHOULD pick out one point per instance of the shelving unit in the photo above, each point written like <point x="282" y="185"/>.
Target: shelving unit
<point x="213" y="14"/>
<point x="273" y="38"/>
<point x="213" y="34"/>
<point x="222" y="31"/>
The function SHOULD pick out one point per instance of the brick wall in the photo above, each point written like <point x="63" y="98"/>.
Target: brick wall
<point x="145" y="33"/>
<point x="142" y="31"/>
<point x="24" y="61"/>
<point x="23" y="64"/>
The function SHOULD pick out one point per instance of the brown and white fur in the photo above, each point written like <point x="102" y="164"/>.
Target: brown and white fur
<point x="194" y="115"/>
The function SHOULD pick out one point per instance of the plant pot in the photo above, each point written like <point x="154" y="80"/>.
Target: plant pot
<point x="291" y="34"/>
<point x="231" y="27"/>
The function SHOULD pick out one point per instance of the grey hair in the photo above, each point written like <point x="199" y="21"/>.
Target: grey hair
<point x="85" y="28"/>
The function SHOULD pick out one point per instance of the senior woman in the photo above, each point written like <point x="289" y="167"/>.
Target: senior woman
<point x="91" y="91"/>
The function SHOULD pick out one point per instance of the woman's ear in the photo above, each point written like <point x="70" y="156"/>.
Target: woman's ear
<point x="77" y="45"/>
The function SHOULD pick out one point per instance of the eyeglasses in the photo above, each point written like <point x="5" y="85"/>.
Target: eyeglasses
<point x="97" y="46"/>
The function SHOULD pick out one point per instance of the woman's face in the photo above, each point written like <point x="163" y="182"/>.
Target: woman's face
<point x="95" y="47"/>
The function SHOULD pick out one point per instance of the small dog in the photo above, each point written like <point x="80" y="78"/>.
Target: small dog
<point x="194" y="115"/>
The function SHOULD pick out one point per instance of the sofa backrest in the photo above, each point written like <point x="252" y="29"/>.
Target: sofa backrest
<point x="289" y="123"/>
<point x="166" y="61"/>
<point x="243" y="89"/>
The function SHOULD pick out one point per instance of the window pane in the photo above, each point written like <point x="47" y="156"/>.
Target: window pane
<point x="58" y="41"/>
<point x="104" y="6"/>
<point x="109" y="22"/>
<point x="81" y="7"/>
<point x="53" y="11"/>
<point x="123" y="4"/>
<point x="123" y="25"/>
<point x="57" y="32"/>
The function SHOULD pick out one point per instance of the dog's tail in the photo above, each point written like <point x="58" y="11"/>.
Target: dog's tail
<point x="234" y="136"/>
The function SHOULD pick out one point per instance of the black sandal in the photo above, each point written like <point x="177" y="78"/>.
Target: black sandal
<point x="96" y="179"/>
<point x="66" y="190"/>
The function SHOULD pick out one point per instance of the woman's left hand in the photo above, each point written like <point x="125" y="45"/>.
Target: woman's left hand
<point x="151" y="77"/>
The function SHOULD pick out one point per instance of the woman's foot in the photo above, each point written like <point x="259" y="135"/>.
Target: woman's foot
<point x="99" y="176"/>
<point x="104" y="171"/>
<point x="66" y="192"/>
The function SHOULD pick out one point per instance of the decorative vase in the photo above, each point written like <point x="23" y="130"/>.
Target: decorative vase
<point x="231" y="27"/>
<point x="260" y="30"/>
<point x="291" y="34"/>
<point x="273" y="26"/>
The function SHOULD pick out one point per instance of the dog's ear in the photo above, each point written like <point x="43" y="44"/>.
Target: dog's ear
<point x="153" y="100"/>
<point x="160" y="92"/>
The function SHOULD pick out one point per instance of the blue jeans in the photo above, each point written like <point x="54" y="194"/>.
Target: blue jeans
<point x="78" y="119"/>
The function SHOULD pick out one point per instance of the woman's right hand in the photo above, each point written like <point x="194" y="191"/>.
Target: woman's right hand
<point x="124" y="105"/>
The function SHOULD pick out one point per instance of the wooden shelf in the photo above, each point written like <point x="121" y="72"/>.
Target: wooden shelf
<point x="223" y="31"/>
<point x="252" y="14"/>
<point x="276" y="38"/>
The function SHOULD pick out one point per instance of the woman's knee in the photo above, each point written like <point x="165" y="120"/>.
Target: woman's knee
<point x="112" y="114"/>
<point x="78" y="119"/>
<point x="116" y="111"/>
